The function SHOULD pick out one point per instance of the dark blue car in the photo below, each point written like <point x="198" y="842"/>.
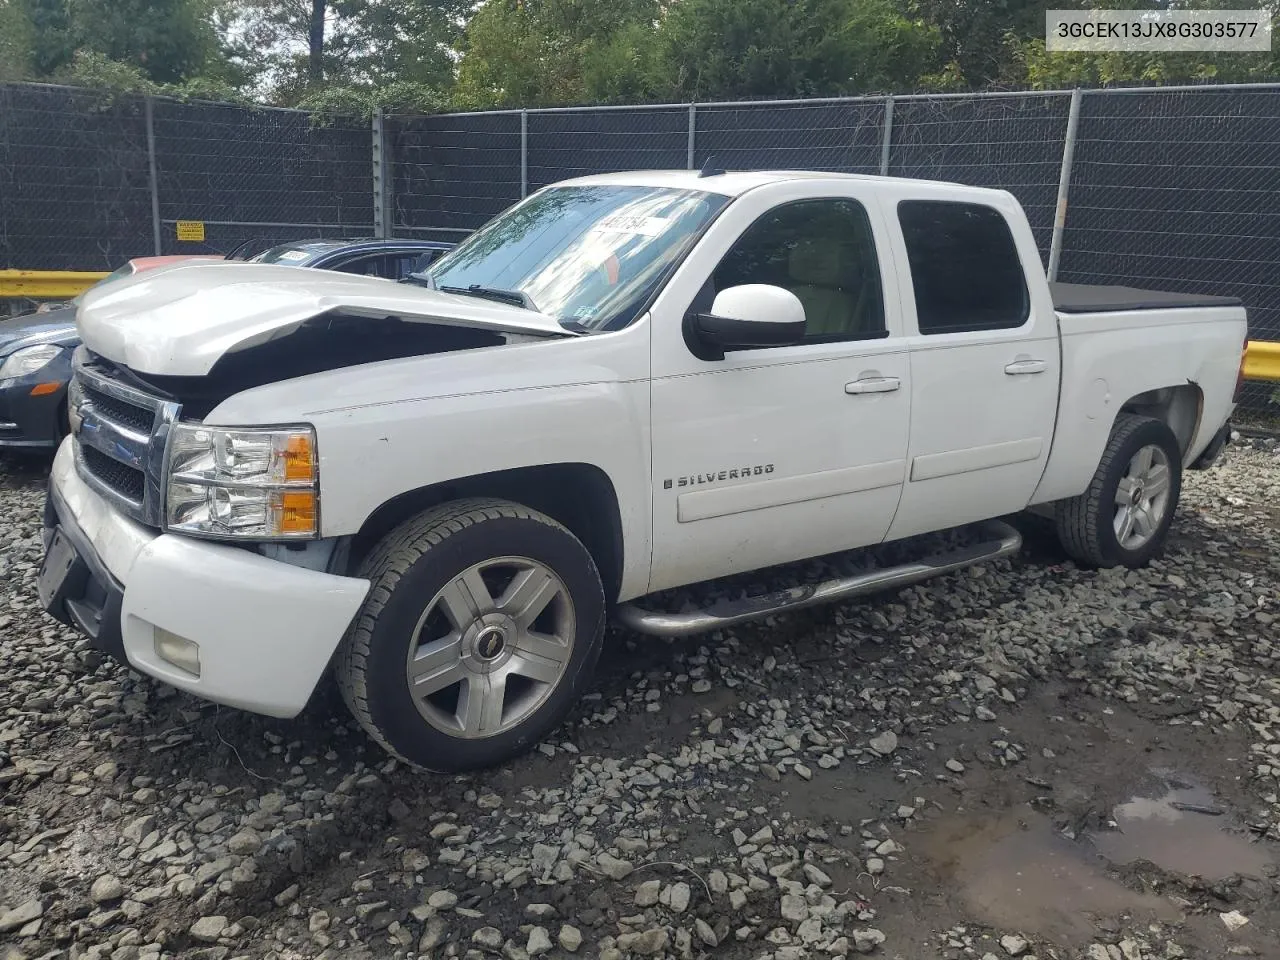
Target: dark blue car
<point x="35" y="349"/>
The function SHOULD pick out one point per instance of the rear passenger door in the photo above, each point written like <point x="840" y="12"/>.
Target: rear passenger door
<point x="984" y="364"/>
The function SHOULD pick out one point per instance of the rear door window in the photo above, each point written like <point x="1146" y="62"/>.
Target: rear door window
<point x="964" y="264"/>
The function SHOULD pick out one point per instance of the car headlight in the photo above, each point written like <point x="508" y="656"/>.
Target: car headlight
<point x="28" y="360"/>
<point x="243" y="483"/>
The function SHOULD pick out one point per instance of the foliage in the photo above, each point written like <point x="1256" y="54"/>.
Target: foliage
<point x="354" y="56"/>
<point x="15" y="42"/>
<point x="404" y="96"/>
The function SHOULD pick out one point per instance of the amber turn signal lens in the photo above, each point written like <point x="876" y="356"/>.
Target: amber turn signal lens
<point x="43" y="389"/>
<point x="299" y="458"/>
<point x="298" y="511"/>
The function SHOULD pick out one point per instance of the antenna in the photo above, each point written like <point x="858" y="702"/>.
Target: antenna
<point x="711" y="169"/>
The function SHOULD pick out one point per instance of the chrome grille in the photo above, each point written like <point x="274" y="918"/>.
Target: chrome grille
<point x="120" y="436"/>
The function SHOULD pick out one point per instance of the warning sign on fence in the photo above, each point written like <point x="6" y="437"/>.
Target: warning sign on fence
<point x="192" y="230"/>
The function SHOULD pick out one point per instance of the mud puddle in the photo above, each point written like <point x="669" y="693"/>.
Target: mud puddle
<point x="1020" y="871"/>
<point x="1184" y="830"/>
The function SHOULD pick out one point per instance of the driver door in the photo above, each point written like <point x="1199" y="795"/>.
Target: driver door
<point x="776" y="454"/>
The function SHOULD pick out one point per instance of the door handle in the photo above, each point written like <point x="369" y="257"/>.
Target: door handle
<point x="1023" y="367"/>
<point x="873" y="385"/>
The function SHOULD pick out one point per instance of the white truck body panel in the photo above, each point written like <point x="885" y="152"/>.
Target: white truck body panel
<point x="719" y="466"/>
<point x="1108" y="358"/>
<point x="180" y="320"/>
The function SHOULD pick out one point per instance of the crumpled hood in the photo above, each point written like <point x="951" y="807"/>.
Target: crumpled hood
<point x="178" y="321"/>
<point x="56" y="326"/>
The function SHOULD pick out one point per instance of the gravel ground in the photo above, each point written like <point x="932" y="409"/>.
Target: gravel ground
<point x="1024" y="760"/>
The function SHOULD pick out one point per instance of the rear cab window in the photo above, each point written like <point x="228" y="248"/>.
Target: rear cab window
<point x="965" y="270"/>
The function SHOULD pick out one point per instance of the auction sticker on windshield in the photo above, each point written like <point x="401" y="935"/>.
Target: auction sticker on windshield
<point x="641" y="226"/>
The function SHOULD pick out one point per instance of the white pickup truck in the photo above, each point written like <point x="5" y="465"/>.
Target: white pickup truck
<point x="623" y="384"/>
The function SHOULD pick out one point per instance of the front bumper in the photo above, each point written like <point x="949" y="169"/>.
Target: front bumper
<point x="34" y="422"/>
<point x="264" y="630"/>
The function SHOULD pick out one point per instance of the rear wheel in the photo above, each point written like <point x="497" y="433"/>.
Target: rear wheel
<point x="1123" y="518"/>
<point x="483" y="624"/>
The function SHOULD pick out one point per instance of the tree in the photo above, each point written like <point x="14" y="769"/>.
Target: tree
<point x="15" y="41"/>
<point x="545" y="52"/>
<point x="166" y="41"/>
<point x="723" y="49"/>
<point x="1045" y="70"/>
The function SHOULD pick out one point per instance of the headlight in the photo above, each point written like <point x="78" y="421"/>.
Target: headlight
<point x="28" y="360"/>
<point x="245" y="483"/>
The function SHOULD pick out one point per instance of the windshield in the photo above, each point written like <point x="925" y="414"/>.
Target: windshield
<point x="592" y="255"/>
<point x="293" y="253"/>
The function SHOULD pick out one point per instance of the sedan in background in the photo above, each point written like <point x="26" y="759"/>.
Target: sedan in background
<point x="35" y="363"/>
<point x="35" y="349"/>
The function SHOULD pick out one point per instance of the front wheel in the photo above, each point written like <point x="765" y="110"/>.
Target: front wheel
<point x="483" y="624"/>
<point x="1124" y="516"/>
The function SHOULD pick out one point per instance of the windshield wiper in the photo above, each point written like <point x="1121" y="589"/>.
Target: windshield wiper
<point x="516" y="298"/>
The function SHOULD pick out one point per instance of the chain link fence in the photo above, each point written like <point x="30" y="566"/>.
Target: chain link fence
<point x="1166" y="187"/>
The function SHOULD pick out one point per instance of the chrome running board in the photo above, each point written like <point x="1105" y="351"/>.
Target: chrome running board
<point x="1000" y="540"/>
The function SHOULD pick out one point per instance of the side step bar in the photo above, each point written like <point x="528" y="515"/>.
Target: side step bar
<point x="999" y="540"/>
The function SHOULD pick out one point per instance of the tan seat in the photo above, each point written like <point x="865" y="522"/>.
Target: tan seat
<point x="823" y="274"/>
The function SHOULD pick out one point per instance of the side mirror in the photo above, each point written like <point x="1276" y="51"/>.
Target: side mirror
<point x="750" y="315"/>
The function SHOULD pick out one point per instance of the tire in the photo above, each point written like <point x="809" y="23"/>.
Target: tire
<point x="1090" y="526"/>
<point x="495" y="610"/>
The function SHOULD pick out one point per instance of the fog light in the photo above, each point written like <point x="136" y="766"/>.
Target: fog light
<point x="179" y="651"/>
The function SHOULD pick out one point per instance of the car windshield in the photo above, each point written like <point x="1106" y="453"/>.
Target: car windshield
<point x="292" y="253"/>
<point x="590" y="256"/>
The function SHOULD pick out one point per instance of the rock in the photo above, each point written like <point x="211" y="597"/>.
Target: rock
<point x="21" y="915"/>
<point x="700" y="686"/>
<point x="815" y="875"/>
<point x="539" y="942"/>
<point x="488" y="938"/>
<point x="539" y="911"/>
<point x="614" y="868"/>
<point x="680" y="895"/>
<point x="106" y="889"/>
<point x="245" y="843"/>
<point x="718" y="882"/>
<point x="705" y="933"/>
<point x="803" y="772"/>
<point x="570" y="938"/>
<point x="442" y="900"/>
<point x="433" y="934"/>
<point x="209" y="929"/>
<point x="1013" y="945"/>
<point x="885" y="743"/>
<point x="647" y="893"/>
<point x="794" y="908"/>
<point x="318" y="921"/>
<point x="875" y="866"/>
<point x="1234" y="920"/>
<point x="737" y="899"/>
<point x="106" y="771"/>
<point x="865" y="941"/>
<point x="955" y="766"/>
<point x="647" y="944"/>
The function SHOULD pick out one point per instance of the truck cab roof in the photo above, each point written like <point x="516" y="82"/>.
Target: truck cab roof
<point x="735" y="183"/>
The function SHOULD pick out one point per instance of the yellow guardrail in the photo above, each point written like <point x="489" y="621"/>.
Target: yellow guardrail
<point x="46" y="284"/>
<point x="1262" y="360"/>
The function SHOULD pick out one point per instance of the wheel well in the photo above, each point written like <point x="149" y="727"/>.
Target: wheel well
<point x="578" y="495"/>
<point x="1178" y="407"/>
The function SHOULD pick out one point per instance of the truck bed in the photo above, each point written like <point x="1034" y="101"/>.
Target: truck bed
<point x="1093" y="298"/>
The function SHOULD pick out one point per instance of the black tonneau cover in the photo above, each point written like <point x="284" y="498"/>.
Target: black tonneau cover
<point x="1090" y="298"/>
